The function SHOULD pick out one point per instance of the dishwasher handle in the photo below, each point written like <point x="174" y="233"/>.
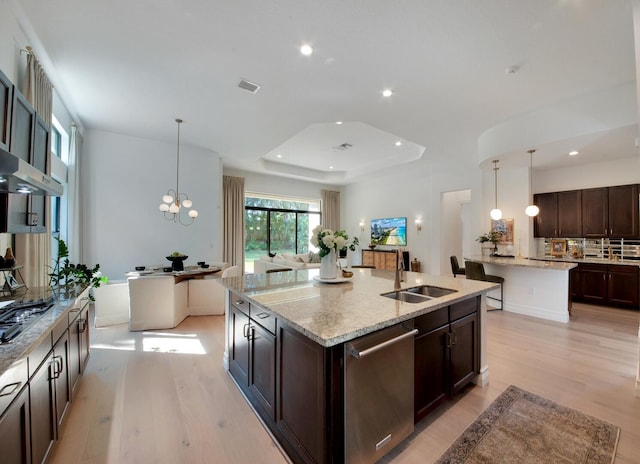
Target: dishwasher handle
<point x="361" y="354"/>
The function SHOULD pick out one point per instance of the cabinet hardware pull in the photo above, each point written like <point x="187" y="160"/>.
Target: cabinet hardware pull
<point x="245" y="331"/>
<point x="15" y="386"/>
<point x="82" y="325"/>
<point x="455" y="338"/>
<point x="379" y="346"/>
<point x="263" y="315"/>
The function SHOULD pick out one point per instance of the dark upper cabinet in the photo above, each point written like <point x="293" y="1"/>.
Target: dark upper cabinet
<point x="610" y="212"/>
<point x="560" y="214"/>
<point x="40" y="145"/>
<point x="594" y="212"/>
<point x="23" y="123"/>
<point x="623" y="211"/>
<point x="6" y="103"/>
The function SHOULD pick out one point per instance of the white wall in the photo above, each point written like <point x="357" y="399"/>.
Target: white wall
<point x="123" y="180"/>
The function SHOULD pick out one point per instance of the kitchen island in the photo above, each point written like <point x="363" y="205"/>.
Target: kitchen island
<point x="533" y="288"/>
<point x="289" y="338"/>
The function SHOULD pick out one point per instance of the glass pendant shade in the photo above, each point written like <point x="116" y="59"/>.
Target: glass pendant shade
<point x="532" y="210"/>
<point x="164" y="207"/>
<point x="174" y="208"/>
<point x="193" y="213"/>
<point x="167" y="198"/>
<point x="496" y="214"/>
<point x="187" y="203"/>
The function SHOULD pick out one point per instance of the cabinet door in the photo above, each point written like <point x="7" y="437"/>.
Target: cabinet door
<point x="367" y="258"/>
<point x="570" y="214"/>
<point x="22" y="127"/>
<point x="623" y="211"/>
<point x="463" y="340"/>
<point x="6" y="102"/>
<point x="594" y="283"/>
<point x="546" y="222"/>
<point x="74" y="349"/>
<point x="85" y="342"/>
<point x="594" y="213"/>
<point x="575" y="283"/>
<point x="301" y="405"/>
<point x="623" y="285"/>
<point x="15" y="431"/>
<point x="431" y="388"/>
<point x="40" y="145"/>
<point x="239" y="346"/>
<point x="42" y="397"/>
<point x="262" y="361"/>
<point x="61" y="376"/>
<point x="390" y="261"/>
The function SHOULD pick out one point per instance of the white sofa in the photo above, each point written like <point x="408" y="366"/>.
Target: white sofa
<point x="285" y="261"/>
<point x="112" y="303"/>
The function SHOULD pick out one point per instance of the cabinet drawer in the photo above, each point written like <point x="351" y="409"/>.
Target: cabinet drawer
<point x="39" y="354"/>
<point x="464" y="308"/>
<point x="240" y="304"/>
<point x="11" y="382"/>
<point x="264" y="319"/>
<point x="433" y="320"/>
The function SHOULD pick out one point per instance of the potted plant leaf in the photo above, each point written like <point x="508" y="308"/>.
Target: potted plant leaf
<point x="490" y="237"/>
<point x="67" y="275"/>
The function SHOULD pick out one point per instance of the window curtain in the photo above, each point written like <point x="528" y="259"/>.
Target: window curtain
<point x="75" y="208"/>
<point x="34" y="250"/>
<point x="330" y="209"/>
<point x="233" y="221"/>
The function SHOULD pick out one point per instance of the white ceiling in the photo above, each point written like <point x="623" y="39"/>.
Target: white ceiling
<point x="131" y="67"/>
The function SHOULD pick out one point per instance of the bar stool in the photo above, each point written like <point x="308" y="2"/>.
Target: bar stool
<point x="475" y="271"/>
<point x="455" y="267"/>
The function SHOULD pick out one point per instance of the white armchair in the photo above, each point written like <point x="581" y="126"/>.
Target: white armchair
<point x="207" y="296"/>
<point x="157" y="302"/>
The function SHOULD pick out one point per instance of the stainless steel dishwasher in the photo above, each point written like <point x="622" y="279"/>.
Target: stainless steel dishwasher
<point x="378" y="377"/>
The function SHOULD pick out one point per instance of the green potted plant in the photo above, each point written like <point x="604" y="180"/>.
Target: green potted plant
<point x="492" y="237"/>
<point x="68" y="275"/>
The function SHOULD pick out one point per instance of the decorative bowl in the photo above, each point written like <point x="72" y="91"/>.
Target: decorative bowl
<point x="346" y="273"/>
<point x="200" y="263"/>
<point x="372" y="246"/>
<point x="140" y="268"/>
<point x="204" y="266"/>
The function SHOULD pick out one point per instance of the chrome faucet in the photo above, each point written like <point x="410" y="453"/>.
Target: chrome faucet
<point x="399" y="273"/>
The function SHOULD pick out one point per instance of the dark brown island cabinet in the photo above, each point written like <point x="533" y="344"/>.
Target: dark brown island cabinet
<point x="296" y="385"/>
<point x="36" y="391"/>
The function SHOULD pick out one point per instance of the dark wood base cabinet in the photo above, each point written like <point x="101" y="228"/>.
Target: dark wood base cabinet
<point x="296" y="385"/>
<point x="15" y="431"/>
<point x="606" y="284"/>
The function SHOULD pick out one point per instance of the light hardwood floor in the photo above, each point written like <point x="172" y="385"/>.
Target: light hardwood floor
<point x="163" y="396"/>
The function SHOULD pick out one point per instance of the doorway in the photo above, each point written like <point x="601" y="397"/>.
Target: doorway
<point x="455" y="229"/>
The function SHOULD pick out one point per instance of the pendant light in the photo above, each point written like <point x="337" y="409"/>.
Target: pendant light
<point x="495" y="212"/>
<point x="532" y="210"/>
<point x="174" y="203"/>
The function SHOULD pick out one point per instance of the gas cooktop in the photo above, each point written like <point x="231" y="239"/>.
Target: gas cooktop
<point x="19" y="315"/>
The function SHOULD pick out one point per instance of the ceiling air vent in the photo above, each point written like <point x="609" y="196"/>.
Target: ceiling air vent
<point x="248" y="86"/>
<point x="343" y="146"/>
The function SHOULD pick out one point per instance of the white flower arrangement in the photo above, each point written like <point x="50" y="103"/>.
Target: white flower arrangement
<point x="327" y="240"/>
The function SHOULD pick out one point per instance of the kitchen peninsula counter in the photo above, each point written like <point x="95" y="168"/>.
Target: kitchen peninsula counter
<point x="330" y="314"/>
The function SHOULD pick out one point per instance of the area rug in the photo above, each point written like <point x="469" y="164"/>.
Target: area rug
<point x="523" y="428"/>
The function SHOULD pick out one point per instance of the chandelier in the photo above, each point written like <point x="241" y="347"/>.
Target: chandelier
<point x="174" y="203"/>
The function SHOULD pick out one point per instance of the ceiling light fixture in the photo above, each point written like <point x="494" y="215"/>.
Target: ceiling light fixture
<point x="398" y="143"/>
<point x="278" y="155"/>
<point x="174" y="202"/>
<point x="495" y="212"/>
<point x="573" y="153"/>
<point x="339" y="123"/>
<point x="531" y="210"/>
<point x="306" y="50"/>
<point x="387" y="93"/>
<point x="330" y="167"/>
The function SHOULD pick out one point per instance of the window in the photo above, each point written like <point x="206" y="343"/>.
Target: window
<point x="56" y="142"/>
<point x="278" y="225"/>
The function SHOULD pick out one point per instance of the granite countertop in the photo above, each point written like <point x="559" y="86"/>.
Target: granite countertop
<point x="552" y="265"/>
<point x="23" y="345"/>
<point x="564" y="259"/>
<point x="330" y="314"/>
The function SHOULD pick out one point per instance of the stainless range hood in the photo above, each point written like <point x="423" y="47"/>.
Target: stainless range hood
<point x="18" y="176"/>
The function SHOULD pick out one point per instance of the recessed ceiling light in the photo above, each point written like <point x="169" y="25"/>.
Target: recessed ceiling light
<point x="398" y="143"/>
<point x="573" y="153"/>
<point x="278" y="155"/>
<point x="306" y="50"/>
<point x="387" y="93"/>
<point x="330" y="167"/>
<point x="338" y="122"/>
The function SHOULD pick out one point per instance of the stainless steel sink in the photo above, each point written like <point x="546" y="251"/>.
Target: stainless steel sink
<point x="407" y="297"/>
<point x="431" y="291"/>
